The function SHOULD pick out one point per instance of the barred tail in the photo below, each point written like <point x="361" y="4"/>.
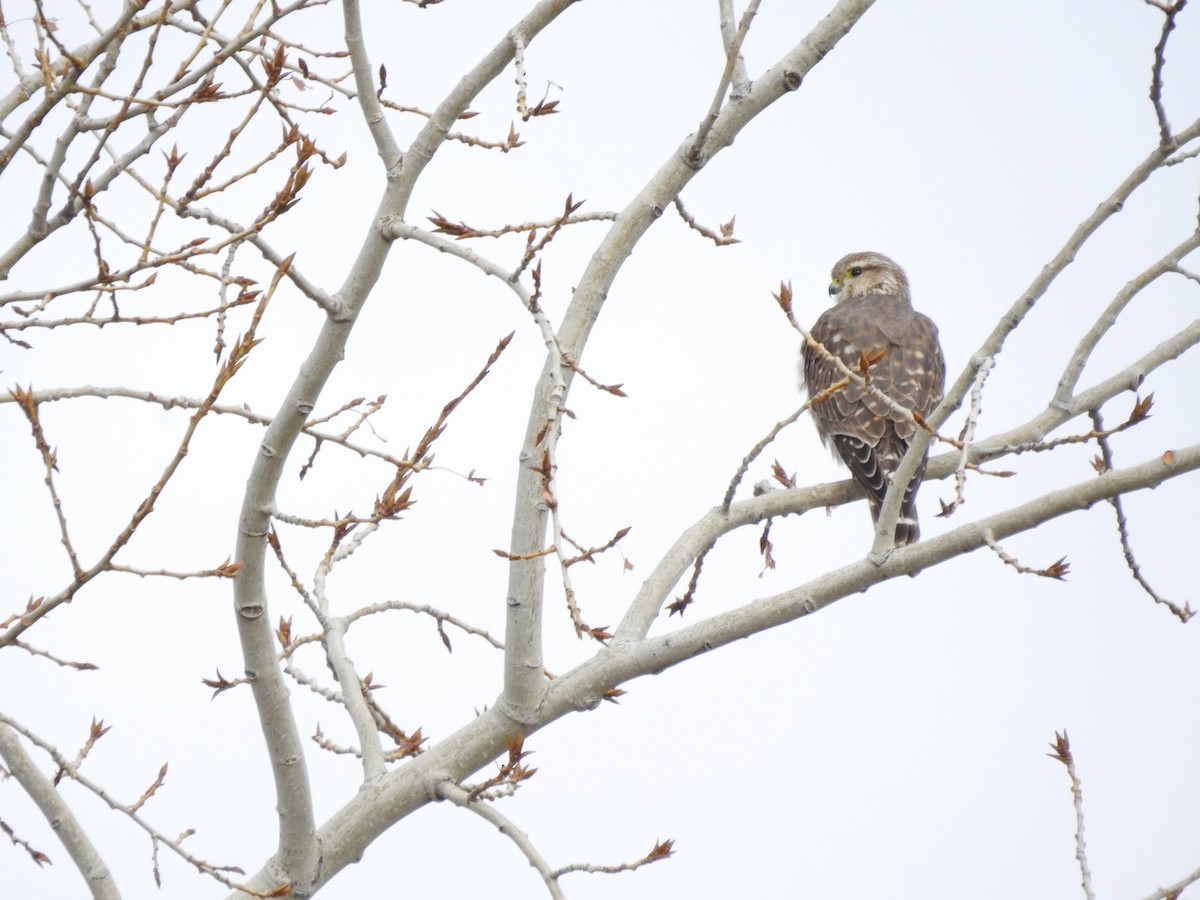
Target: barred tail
<point x="908" y="530"/>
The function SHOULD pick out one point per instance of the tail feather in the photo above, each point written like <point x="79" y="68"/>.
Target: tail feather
<point x="908" y="529"/>
<point x="873" y="467"/>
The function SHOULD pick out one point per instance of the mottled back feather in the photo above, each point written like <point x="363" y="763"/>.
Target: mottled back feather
<point x="869" y="436"/>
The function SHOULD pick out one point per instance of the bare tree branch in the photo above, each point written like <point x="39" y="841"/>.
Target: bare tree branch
<point x="116" y="236"/>
<point x="461" y="798"/>
<point x="523" y="686"/>
<point x="1062" y="752"/>
<point x="79" y="847"/>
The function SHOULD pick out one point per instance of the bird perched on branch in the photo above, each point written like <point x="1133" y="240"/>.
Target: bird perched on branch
<point x="873" y="325"/>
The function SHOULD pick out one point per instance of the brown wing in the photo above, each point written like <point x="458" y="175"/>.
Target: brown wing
<point x="912" y="371"/>
<point x="867" y="434"/>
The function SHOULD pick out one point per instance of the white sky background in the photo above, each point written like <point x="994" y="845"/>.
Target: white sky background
<point x="891" y="746"/>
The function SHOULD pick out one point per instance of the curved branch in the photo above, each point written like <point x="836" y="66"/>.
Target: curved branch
<point x="352" y="828"/>
<point x="1108" y="318"/>
<point x="462" y="799"/>
<point x="381" y="132"/>
<point x="1008" y="323"/>
<point x="299" y="855"/>
<point x="524" y="684"/>
<point x="733" y="61"/>
<point x="1017" y="312"/>
<point x="646" y="604"/>
<point x="633" y="658"/>
<point x="74" y="838"/>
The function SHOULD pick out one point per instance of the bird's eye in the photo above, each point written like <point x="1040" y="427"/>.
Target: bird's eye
<point x="856" y="271"/>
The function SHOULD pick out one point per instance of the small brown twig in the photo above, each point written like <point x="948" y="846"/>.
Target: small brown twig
<point x="511" y="772"/>
<point x="36" y="855"/>
<point x="29" y="406"/>
<point x="95" y="732"/>
<point x="571" y="363"/>
<point x="1103" y="464"/>
<point x="534" y="246"/>
<point x="65" y="663"/>
<point x="765" y="547"/>
<point x="1057" y="570"/>
<point x="682" y="603"/>
<point x="723" y="239"/>
<point x="591" y="553"/>
<point x="461" y="231"/>
<point x="238" y="355"/>
<point x="1139" y="413"/>
<point x="1170" y="11"/>
<point x="762" y="445"/>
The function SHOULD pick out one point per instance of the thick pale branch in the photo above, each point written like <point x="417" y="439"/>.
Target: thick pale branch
<point x="1169" y="263"/>
<point x="645" y="606"/>
<point x="354" y="698"/>
<point x="640" y="657"/>
<point x="131" y="811"/>
<point x="733" y="59"/>
<point x="523" y="681"/>
<point x="346" y="835"/>
<point x="299" y="855"/>
<point x="1128" y="379"/>
<point x="368" y="99"/>
<point x="1008" y="323"/>
<point x="49" y="800"/>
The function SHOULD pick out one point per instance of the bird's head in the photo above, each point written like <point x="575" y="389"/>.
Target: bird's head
<point x="860" y="274"/>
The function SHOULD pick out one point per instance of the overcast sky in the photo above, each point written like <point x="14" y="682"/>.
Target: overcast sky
<point x="891" y="746"/>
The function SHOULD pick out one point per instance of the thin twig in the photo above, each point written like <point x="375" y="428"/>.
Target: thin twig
<point x="1156" y="78"/>
<point x="757" y="449"/>
<point x="1057" y="570"/>
<point x="1175" y="891"/>
<point x="695" y="152"/>
<point x="214" y="871"/>
<point x="661" y="850"/>
<point x="967" y="435"/>
<point x="1106" y="464"/>
<point x="1062" y="752"/>
<point x="461" y="798"/>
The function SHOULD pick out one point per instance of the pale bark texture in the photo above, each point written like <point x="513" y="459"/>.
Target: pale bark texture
<point x="236" y="203"/>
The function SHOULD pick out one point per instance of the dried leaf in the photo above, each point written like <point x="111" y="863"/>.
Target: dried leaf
<point x="1057" y="569"/>
<point x="784" y="297"/>
<point x="662" y="849"/>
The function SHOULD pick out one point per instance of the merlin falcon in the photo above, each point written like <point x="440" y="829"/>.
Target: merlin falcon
<point x="873" y="314"/>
